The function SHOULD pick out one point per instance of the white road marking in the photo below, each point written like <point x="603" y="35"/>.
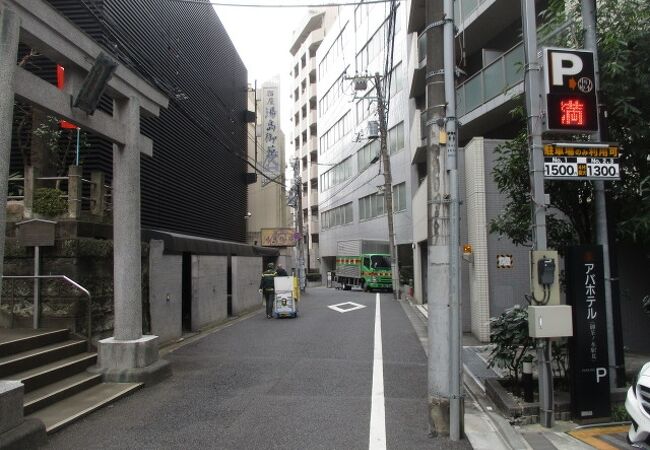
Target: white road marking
<point x="377" y="439"/>
<point x="353" y="307"/>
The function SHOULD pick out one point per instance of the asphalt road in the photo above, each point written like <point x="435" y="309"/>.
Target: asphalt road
<point x="303" y="383"/>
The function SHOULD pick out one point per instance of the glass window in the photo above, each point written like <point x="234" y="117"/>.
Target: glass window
<point x="399" y="197"/>
<point x="379" y="261"/>
<point x="396" y="138"/>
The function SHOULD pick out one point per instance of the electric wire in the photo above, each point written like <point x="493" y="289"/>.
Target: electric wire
<point x="278" y="5"/>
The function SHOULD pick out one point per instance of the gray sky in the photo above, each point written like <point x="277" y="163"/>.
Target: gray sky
<point x="262" y="36"/>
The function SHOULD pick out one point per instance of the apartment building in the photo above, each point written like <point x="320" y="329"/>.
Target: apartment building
<point x="490" y="54"/>
<point x="351" y="197"/>
<point x="304" y="117"/>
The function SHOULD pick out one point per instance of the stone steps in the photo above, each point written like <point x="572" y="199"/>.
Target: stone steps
<point x="58" y="389"/>
<point x="73" y="408"/>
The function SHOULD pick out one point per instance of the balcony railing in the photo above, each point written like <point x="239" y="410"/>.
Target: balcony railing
<point x="463" y="8"/>
<point x="495" y="79"/>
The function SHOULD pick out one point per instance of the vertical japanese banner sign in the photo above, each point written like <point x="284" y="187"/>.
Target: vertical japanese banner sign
<point x="270" y="129"/>
<point x="588" y="346"/>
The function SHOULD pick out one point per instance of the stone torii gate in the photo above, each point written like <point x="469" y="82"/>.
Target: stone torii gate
<point x="128" y="355"/>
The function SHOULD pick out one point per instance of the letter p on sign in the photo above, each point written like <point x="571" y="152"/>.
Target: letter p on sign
<point x="564" y="64"/>
<point x="601" y="372"/>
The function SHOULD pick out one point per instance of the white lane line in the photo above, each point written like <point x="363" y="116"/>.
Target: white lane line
<point x="377" y="439"/>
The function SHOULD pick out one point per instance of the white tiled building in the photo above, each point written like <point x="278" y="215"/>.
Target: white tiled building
<point x="350" y="184"/>
<point x="304" y="116"/>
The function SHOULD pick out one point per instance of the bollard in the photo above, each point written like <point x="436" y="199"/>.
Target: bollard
<point x="527" y="381"/>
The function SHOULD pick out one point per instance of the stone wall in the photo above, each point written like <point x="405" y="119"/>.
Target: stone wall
<point x="246" y="273"/>
<point x="209" y="290"/>
<point x="166" y="293"/>
<point x="88" y="262"/>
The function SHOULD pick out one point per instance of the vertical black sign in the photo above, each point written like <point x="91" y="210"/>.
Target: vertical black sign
<point x="588" y="347"/>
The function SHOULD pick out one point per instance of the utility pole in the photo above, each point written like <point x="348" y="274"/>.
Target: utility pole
<point x="532" y="84"/>
<point x="456" y="410"/>
<point x="388" y="183"/>
<point x="301" y="242"/>
<point x="588" y="8"/>
<point x="438" y="288"/>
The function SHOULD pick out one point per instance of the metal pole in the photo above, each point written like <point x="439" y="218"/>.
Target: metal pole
<point x="438" y="225"/>
<point x="589" y="19"/>
<point x="455" y="329"/>
<point x="388" y="182"/>
<point x="77" y="158"/>
<point x="37" y="272"/>
<point x="255" y="131"/>
<point x="9" y="31"/>
<point x="532" y="84"/>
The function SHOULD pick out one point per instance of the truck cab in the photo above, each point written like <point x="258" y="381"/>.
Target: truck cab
<point x="376" y="272"/>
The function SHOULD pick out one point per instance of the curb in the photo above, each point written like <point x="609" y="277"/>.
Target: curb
<point x="484" y="428"/>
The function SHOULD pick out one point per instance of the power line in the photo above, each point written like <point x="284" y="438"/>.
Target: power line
<point x="280" y="5"/>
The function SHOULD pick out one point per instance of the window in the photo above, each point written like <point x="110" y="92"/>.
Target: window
<point x="399" y="197"/>
<point x="334" y="55"/>
<point x="341" y="128"/>
<point x="366" y="107"/>
<point x="396" y="138"/>
<point x="396" y="80"/>
<point x="336" y="174"/>
<point x="376" y="44"/>
<point x="340" y="215"/>
<point x="366" y="154"/>
<point x="371" y="206"/>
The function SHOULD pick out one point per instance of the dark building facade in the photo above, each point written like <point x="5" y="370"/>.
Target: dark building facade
<point x="195" y="182"/>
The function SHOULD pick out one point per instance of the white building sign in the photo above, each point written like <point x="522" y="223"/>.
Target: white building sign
<point x="269" y="134"/>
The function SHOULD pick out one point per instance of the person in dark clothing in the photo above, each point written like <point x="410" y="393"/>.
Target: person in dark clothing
<point x="281" y="272"/>
<point x="267" y="287"/>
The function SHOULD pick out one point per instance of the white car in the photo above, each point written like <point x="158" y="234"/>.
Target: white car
<point x="637" y="404"/>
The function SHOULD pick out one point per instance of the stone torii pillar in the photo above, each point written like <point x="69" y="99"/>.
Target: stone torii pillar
<point x="128" y="355"/>
<point x="15" y="431"/>
<point x="9" y="32"/>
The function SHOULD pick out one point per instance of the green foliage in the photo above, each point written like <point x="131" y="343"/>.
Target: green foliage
<point x="623" y="33"/>
<point x="60" y="143"/>
<point x="49" y="202"/>
<point x="569" y="219"/>
<point x="509" y="334"/>
<point x="619" y="414"/>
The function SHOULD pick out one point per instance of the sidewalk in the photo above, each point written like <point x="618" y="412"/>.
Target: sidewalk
<point x="487" y="429"/>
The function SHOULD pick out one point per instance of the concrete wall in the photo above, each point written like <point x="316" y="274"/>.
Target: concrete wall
<point x="246" y="273"/>
<point x="209" y="290"/>
<point x="165" y="293"/>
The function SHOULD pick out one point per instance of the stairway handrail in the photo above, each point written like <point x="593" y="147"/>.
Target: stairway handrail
<point x="73" y="283"/>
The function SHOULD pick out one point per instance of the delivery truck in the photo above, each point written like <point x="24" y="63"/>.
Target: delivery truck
<point x="363" y="263"/>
